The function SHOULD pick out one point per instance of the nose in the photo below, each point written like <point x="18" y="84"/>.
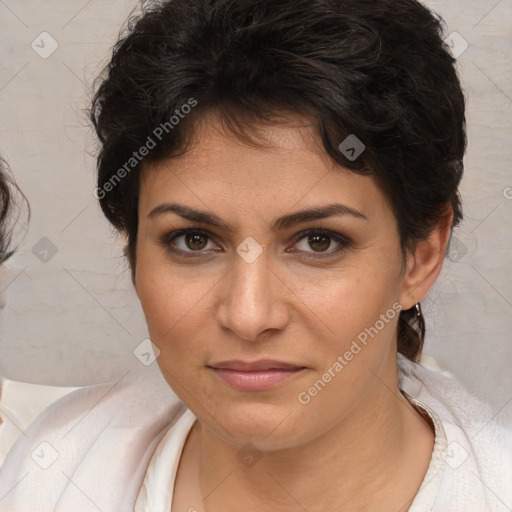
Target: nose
<point x="253" y="299"/>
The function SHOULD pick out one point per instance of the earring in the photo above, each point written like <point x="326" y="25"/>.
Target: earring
<point x="418" y="309"/>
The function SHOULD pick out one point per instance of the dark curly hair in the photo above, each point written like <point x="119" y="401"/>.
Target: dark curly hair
<point x="10" y="207"/>
<point x="378" y="69"/>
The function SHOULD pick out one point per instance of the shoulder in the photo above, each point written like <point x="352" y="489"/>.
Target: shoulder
<point x="20" y="403"/>
<point x="91" y="441"/>
<point x="478" y="453"/>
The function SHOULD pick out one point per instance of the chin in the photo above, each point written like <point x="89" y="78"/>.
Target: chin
<point x="266" y="426"/>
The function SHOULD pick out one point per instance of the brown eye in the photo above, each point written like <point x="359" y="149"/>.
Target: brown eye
<point x="316" y="243"/>
<point x="189" y="242"/>
<point x="319" y="243"/>
<point x="196" y="241"/>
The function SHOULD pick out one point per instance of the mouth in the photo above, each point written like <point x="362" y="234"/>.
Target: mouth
<point x="257" y="375"/>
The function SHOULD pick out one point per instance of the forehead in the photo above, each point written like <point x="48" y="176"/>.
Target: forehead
<point x="288" y="133"/>
<point x="285" y="165"/>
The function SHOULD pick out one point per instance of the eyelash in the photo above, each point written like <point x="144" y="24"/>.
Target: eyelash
<point x="344" y="242"/>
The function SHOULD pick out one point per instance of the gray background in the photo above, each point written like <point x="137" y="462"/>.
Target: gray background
<point x="71" y="318"/>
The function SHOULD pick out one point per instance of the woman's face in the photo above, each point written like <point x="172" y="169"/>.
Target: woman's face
<point x="266" y="283"/>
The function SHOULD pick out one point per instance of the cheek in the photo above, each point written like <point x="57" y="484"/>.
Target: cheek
<point x="350" y="301"/>
<point x="175" y="305"/>
<point x="358" y="314"/>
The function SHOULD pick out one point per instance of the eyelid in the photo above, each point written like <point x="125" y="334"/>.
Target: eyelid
<point x="343" y="239"/>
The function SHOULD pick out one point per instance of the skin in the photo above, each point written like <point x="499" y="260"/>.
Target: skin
<point x="359" y="441"/>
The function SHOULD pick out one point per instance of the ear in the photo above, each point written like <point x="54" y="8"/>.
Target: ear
<point x="424" y="264"/>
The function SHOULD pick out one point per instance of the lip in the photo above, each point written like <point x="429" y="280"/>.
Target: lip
<point x="257" y="375"/>
<point x="248" y="366"/>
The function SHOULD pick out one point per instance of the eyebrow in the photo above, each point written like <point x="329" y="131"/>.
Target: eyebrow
<point x="286" y="221"/>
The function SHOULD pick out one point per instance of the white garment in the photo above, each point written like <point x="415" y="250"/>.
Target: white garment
<point x="157" y="490"/>
<point x="20" y="403"/>
<point x="88" y="451"/>
<point x="98" y="442"/>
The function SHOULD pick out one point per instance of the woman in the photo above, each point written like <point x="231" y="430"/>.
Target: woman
<point x="286" y="174"/>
